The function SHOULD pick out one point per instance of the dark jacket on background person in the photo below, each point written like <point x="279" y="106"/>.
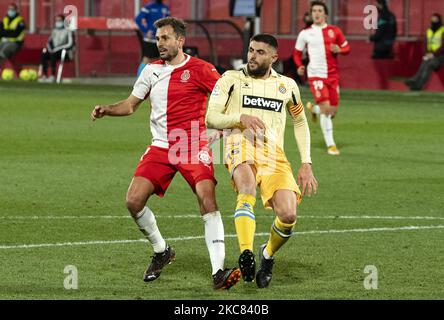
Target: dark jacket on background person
<point x="385" y="35"/>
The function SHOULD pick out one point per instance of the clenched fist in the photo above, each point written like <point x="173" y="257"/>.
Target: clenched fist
<point x="98" y="112"/>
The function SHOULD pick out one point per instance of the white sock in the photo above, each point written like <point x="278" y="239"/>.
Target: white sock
<point x="266" y="255"/>
<point x="214" y="237"/>
<point x="327" y="129"/>
<point x="147" y="224"/>
<point x="316" y="109"/>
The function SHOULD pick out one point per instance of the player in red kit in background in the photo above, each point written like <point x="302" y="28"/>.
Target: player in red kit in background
<point x="177" y="86"/>
<point x="324" y="42"/>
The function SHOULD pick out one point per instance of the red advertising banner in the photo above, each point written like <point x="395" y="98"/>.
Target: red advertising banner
<point x="103" y="23"/>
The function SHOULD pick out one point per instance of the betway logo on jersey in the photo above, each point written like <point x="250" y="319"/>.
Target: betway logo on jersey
<point x="262" y="103"/>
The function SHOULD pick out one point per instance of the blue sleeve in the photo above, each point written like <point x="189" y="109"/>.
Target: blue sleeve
<point x="143" y="14"/>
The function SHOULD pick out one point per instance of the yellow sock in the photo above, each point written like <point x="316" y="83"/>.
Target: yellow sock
<point x="244" y="221"/>
<point x="279" y="234"/>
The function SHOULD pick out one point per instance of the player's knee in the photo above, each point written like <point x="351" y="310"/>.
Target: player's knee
<point x="245" y="179"/>
<point x="209" y="207"/>
<point x="205" y="191"/>
<point x="288" y="217"/>
<point x="208" y="202"/>
<point x="246" y="185"/>
<point x="134" y="204"/>
<point x="247" y="188"/>
<point x="286" y="214"/>
<point x="324" y="106"/>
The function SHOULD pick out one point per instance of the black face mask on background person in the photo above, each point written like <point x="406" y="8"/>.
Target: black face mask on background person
<point x="436" y="22"/>
<point x="435" y="25"/>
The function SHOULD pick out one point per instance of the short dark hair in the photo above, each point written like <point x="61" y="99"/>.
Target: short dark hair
<point x="438" y="16"/>
<point x="319" y="3"/>
<point x="266" y="38"/>
<point x="61" y="16"/>
<point x="179" y="26"/>
<point x="12" y="4"/>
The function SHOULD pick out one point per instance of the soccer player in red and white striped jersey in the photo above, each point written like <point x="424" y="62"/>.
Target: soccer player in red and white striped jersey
<point x="324" y="42"/>
<point x="178" y="87"/>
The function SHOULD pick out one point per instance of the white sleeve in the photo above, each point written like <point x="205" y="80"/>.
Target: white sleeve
<point x="142" y="87"/>
<point x="300" y="42"/>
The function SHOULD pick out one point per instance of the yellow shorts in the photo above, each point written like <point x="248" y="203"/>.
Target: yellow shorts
<point x="273" y="170"/>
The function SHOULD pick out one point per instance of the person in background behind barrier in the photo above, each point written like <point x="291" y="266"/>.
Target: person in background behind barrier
<point x="12" y="33"/>
<point x="434" y="58"/>
<point x="147" y="31"/>
<point x="61" y="38"/>
<point x="385" y="35"/>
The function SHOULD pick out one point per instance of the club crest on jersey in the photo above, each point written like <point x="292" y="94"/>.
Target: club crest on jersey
<point x="204" y="157"/>
<point x="331" y="33"/>
<point x="262" y="103"/>
<point x="282" y="88"/>
<point x="185" y="76"/>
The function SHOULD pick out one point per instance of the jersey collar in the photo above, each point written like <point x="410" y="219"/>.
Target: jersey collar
<point x="319" y="27"/>
<point x="184" y="62"/>
<point x="273" y="73"/>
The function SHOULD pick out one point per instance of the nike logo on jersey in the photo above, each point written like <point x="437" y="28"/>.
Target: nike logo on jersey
<point x="262" y="103"/>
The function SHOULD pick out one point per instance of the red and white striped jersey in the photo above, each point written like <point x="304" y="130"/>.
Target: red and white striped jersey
<point x="178" y="96"/>
<point x="323" y="62"/>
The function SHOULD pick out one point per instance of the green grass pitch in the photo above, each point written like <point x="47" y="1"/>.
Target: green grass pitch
<point x="63" y="181"/>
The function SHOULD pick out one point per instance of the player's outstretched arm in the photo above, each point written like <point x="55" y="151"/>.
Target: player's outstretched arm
<point x="301" y="131"/>
<point x="306" y="180"/>
<point x="119" y="109"/>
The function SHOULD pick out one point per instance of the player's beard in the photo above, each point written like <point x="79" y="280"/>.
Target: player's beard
<point x="171" y="54"/>
<point x="260" y="71"/>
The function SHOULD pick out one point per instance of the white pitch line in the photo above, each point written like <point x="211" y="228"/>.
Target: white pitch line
<point x="61" y="217"/>
<point x="197" y="216"/>
<point x="99" y="242"/>
<point x="375" y="217"/>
